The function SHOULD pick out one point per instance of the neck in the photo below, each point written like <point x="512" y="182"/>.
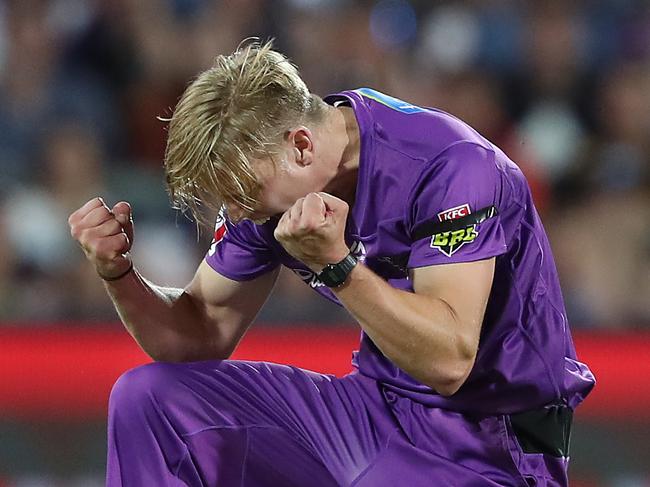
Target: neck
<point x="347" y="140"/>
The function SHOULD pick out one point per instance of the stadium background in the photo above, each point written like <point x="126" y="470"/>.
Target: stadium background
<point x="563" y="87"/>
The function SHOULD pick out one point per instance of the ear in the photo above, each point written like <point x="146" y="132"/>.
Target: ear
<point x="302" y="144"/>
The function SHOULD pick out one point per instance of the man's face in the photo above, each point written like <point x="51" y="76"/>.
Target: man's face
<point x="279" y="191"/>
<point x="295" y="173"/>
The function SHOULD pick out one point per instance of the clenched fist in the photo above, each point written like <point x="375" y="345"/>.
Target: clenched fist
<point x="105" y="235"/>
<point x="313" y="230"/>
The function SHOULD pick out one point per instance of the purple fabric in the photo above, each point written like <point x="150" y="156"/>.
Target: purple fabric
<point x="242" y="253"/>
<point x="442" y="186"/>
<point x="255" y="424"/>
<point x="415" y="164"/>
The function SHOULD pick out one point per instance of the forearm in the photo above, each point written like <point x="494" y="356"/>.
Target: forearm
<point x="420" y="334"/>
<point x="166" y="322"/>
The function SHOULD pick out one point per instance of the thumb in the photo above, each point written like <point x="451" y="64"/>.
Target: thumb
<point x="124" y="216"/>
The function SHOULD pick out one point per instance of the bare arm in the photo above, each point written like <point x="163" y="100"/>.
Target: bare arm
<point x="432" y="333"/>
<point x="205" y="320"/>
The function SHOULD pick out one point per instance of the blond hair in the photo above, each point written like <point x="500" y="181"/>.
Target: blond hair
<point x="239" y="108"/>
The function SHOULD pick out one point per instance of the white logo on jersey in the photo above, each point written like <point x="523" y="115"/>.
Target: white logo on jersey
<point x="455" y="212"/>
<point x="220" y="230"/>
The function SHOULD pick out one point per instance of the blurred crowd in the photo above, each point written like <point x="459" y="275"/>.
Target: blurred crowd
<point x="563" y="87"/>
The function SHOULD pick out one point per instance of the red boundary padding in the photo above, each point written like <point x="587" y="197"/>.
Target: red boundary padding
<point x="67" y="372"/>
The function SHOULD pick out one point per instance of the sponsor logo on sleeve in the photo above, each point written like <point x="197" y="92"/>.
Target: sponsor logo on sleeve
<point x="453" y="213"/>
<point x="220" y="230"/>
<point x="449" y="242"/>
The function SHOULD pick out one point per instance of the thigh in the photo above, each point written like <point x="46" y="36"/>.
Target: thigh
<point x="472" y="449"/>
<point x="250" y="456"/>
<point x="275" y="410"/>
<point x="402" y="463"/>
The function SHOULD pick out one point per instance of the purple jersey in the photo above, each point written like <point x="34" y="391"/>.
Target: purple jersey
<point x="421" y="165"/>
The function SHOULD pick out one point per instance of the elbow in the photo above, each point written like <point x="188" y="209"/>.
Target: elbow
<point x="167" y="354"/>
<point x="197" y="346"/>
<point x="182" y="353"/>
<point x="457" y="370"/>
<point x="449" y="380"/>
<point x="448" y="386"/>
<point x="179" y="356"/>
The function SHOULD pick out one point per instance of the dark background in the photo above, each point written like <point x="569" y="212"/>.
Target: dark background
<point x="563" y="87"/>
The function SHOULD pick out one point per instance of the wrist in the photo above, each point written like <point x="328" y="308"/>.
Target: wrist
<point x="116" y="277"/>
<point x="333" y="258"/>
<point x="336" y="274"/>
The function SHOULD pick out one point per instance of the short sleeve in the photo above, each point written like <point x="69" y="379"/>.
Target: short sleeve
<point x="239" y="251"/>
<point x="463" y="179"/>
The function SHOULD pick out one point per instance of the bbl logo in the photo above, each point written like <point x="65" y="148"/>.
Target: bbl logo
<point x="450" y="241"/>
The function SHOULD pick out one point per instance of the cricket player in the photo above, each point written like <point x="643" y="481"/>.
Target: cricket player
<point x="466" y="373"/>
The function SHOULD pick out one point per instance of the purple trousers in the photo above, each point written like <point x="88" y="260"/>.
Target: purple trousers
<point x="256" y="424"/>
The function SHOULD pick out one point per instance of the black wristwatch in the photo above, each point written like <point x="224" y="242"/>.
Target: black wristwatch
<point x="333" y="275"/>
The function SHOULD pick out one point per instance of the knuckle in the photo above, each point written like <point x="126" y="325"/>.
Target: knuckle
<point x="108" y="251"/>
<point x="112" y="254"/>
<point x="123" y="240"/>
<point x="82" y="235"/>
<point x="90" y="205"/>
<point x="114" y="226"/>
<point x="100" y="213"/>
<point x="305" y="227"/>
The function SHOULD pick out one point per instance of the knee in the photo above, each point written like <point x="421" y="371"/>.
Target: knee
<point x="145" y="385"/>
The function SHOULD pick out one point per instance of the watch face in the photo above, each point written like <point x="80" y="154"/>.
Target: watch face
<point x="335" y="274"/>
<point x="332" y="276"/>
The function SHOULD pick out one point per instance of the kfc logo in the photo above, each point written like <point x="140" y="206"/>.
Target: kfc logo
<point x="453" y="213"/>
<point x="450" y="241"/>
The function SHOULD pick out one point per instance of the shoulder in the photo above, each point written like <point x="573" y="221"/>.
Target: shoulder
<point x="419" y="132"/>
<point x="463" y="164"/>
<point x="253" y="233"/>
<point x="244" y="234"/>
